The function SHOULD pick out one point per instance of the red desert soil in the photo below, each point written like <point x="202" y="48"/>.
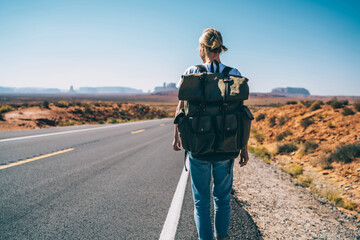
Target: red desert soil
<point x="82" y="113"/>
<point x="328" y="129"/>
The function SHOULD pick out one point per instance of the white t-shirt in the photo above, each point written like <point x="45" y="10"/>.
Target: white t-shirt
<point x="193" y="69"/>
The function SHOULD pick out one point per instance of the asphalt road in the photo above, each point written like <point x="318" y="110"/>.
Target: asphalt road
<point x="99" y="182"/>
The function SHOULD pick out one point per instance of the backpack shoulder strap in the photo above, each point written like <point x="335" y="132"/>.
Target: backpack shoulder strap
<point x="227" y="70"/>
<point x="201" y="68"/>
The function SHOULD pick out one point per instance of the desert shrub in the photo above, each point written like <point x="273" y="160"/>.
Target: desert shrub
<point x="24" y="105"/>
<point x="101" y="122"/>
<point x="310" y="146"/>
<point x="6" y="108"/>
<point x="98" y="104"/>
<point x="67" y="123"/>
<point x="283" y="135"/>
<point x="316" y="105"/>
<point x="346" y="153"/>
<point x="357" y="106"/>
<point x="112" y="120"/>
<point x="303" y="180"/>
<point x="46" y="104"/>
<point x="2" y="117"/>
<point x="77" y="111"/>
<point x="276" y="105"/>
<point x="122" y="112"/>
<point x="88" y="110"/>
<point x="291" y="102"/>
<point x="306" y="122"/>
<point x="294" y="169"/>
<point x="347" y="111"/>
<point x="260" y="152"/>
<point x="283" y="120"/>
<point x="33" y="104"/>
<point x="62" y="104"/>
<point x="260" y="117"/>
<point x="307" y="103"/>
<point x="257" y="135"/>
<point x="333" y="197"/>
<point x="15" y="105"/>
<point x="286" y="148"/>
<point x="349" y="205"/>
<point x="78" y="104"/>
<point x="335" y="103"/>
<point x="272" y="121"/>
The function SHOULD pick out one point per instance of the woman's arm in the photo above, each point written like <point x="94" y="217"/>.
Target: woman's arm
<point x="177" y="143"/>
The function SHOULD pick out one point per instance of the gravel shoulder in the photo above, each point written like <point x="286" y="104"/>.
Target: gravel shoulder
<point x="283" y="210"/>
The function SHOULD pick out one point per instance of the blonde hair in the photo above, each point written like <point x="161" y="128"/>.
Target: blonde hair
<point x="212" y="40"/>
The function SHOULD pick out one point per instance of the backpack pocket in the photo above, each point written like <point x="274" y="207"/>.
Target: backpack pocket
<point x="244" y="120"/>
<point x="227" y="133"/>
<point x="182" y="125"/>
<point x="201" y="134"/>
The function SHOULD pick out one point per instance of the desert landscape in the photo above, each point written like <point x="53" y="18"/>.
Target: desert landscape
<point x="317" y="143"/>
<point x="314" y="139"/>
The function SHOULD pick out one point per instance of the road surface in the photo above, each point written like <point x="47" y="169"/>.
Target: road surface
<point x="98" y="182"/>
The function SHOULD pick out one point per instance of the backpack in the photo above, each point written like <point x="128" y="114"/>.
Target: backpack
<point x="214" y="124"/>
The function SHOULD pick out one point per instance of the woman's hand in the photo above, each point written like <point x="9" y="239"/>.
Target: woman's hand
<point x="243" y="156"/>
<point x="176" y="144"/>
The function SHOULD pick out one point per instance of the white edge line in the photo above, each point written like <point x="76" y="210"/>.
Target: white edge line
<point x="172" y="219"/>
<point x="72" y="131"/>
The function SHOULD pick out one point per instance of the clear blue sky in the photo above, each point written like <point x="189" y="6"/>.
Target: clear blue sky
<point x="141" y="44"/>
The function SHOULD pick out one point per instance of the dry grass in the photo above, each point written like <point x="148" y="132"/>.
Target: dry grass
<point x="261" y="152"/>
<point x="304" y="180"/>
<point x="293" y="169"/>
<point x="333" y="196"/>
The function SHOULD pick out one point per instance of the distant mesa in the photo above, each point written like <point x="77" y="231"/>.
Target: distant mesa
<point x="166" y="88"/>
<point x="33" y="90"/>
<point x="29" y="90"/>
<point x="290" y="91"/>
<point x="108" y="90"/>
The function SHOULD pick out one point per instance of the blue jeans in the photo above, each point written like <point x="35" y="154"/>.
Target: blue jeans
<point x="222" y="175"/>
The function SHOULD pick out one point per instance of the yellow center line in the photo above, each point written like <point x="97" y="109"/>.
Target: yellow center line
<point x="163" y="124"/>
<point x="35" y="158"/>
<point x="138" y="131"/>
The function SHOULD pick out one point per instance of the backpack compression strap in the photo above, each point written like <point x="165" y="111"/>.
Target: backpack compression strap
<point x="227" y="70"/>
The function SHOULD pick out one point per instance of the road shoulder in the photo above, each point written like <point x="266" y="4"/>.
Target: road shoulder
<point x="283" y="210"/>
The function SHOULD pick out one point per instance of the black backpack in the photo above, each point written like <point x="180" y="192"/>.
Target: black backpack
<point x="214" y="124"/>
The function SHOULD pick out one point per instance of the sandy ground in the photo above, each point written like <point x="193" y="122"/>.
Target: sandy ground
<point x="284" y="210"/>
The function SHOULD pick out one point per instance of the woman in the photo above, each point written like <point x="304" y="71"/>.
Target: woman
<point x="211" y="45"/>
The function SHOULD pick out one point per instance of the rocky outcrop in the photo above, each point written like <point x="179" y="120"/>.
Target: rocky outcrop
<point x="290" y="91"/>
